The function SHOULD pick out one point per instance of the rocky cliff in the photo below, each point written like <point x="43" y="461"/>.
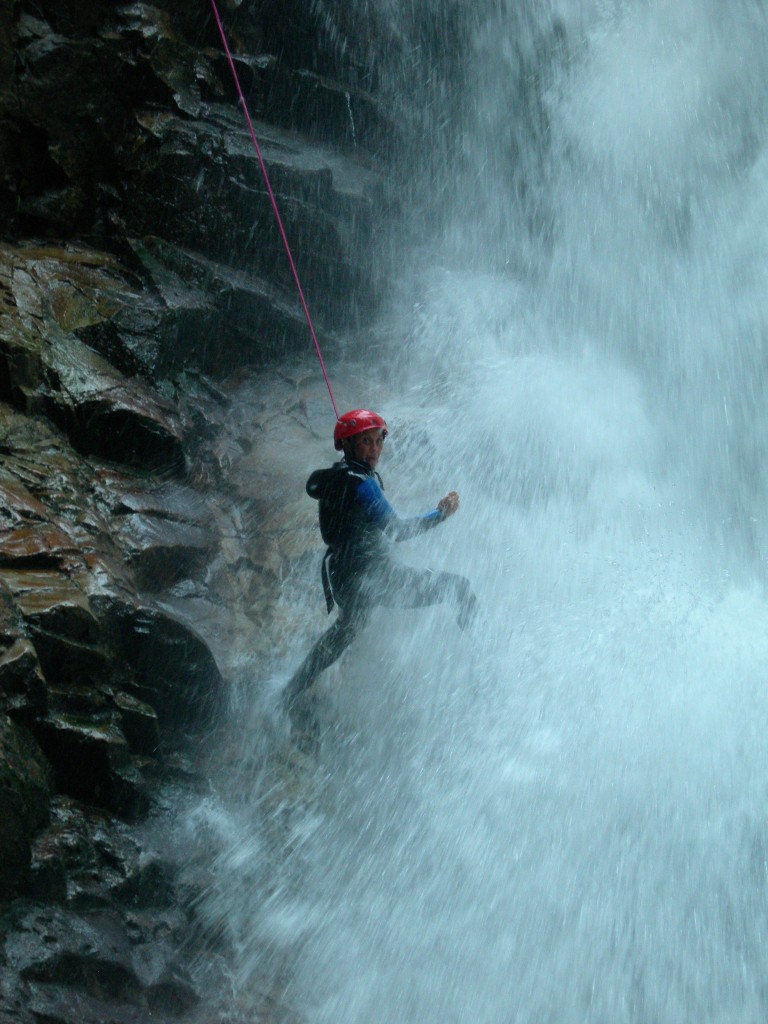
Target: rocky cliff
<point x="145" y="304"/>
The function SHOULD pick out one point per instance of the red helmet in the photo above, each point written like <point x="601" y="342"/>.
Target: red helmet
<point x="356" y="422"/>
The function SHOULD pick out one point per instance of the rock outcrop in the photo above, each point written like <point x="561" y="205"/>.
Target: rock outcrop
<point x="142" y="280"/>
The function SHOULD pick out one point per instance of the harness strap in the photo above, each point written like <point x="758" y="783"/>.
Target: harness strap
<point x="326" y="578"/>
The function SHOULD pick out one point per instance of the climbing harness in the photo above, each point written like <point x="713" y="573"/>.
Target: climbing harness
<point x="273" y="200"/>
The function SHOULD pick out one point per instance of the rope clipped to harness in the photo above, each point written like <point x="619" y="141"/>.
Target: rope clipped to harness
<point x="273" y="200"/>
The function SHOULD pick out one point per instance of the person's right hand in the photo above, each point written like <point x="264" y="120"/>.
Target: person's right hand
<point x="449" y="504"/>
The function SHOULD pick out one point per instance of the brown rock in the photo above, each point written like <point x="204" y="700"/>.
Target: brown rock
<point x="105" y="414"/>
<point x="170" y="500"/>
<point x="18" y="500"/>
<point x="51" y="602"/>
<point x="64" y="630"/>
<point x="163" y="552"/>
<point x="43" y="545"/>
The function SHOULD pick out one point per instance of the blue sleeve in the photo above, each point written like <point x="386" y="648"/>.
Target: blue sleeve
<point x="379" y="510"/>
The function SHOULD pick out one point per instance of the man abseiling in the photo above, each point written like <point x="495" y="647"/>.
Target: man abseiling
<point x="358" y="524"/>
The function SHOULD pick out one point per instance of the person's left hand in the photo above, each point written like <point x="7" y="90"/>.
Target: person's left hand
<point x="449" y="504"/>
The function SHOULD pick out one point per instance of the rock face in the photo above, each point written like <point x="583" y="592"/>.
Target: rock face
<point x="142" y="280"/>
<point x="24" y="798"/>
<point x="125" y="114"/>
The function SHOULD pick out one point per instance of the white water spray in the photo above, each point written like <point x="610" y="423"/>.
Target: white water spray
<point x="562" y="817"/>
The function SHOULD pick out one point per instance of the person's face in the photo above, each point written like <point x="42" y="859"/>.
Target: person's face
<point x="366" y="447"/>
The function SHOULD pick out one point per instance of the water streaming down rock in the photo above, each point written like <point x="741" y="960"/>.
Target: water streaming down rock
<point x="562" y="816"/>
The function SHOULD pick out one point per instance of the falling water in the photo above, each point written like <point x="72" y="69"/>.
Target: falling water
<point x="561" y="816"/>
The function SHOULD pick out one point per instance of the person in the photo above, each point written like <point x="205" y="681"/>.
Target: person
<point x="358" y="524"/>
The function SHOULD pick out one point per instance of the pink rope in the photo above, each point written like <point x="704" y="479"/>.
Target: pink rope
<point x="275" y="207"/>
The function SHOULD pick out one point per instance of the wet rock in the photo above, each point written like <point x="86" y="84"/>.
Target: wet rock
<point x="130" y="797"/>
<point x="20" y="366"/>
<point x="59" y="73"/>
<point x="161" y="551"/>
<point x="45" y="367"/>
<point x="19" y="504"/>
<point x="47" y="879"/>
<point x="87" y="852"/>
<point x="71" y="288"/>
<point x="173" y="993"/>
<point x="22" y="686"/>
<point x="7" y="82"/>
<point x="59" y="1004"/>
<point x="90" y="954"/>
<point x="172" y="667"/>
<point x="38" y="458"/>
<point x="40" y="546"/>
<point x="151" y="884"/>
<point x="139" y="154"/>
<point x="91" y="761"/>
<point x="67" y="836"/>
<point x="49" y="601"/>
<point x="93" y="960"/>
<point x="11" y="623"/>
<point x="24" y="802"/>
<point x="313" y="104"/>
<point x="105" y="415"/>
<point x="79" y="700"/>
<point x="62" y="627"/>
<point x="169" y="500"/>
<point x="243" y="319"/>
<point x="327" y="207"/>
<point x="53" y="69"/>
<point x="139" y="724"/>
<point x="68" y="662"/>
<point x="152" y="34"/>
<point x="76" y="19"/>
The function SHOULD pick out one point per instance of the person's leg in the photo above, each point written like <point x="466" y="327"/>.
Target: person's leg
<point x="402" y="586"/>
<point x="326" y="650"/>
<point x="298" y="697"/>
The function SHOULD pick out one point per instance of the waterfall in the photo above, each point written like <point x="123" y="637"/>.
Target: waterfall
<point x="559" y="816"/>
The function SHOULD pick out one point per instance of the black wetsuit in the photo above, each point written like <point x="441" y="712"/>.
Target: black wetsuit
<point x="358" y="524"/>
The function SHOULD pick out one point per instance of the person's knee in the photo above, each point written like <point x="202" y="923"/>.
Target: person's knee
<point x="451" y="587"/>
